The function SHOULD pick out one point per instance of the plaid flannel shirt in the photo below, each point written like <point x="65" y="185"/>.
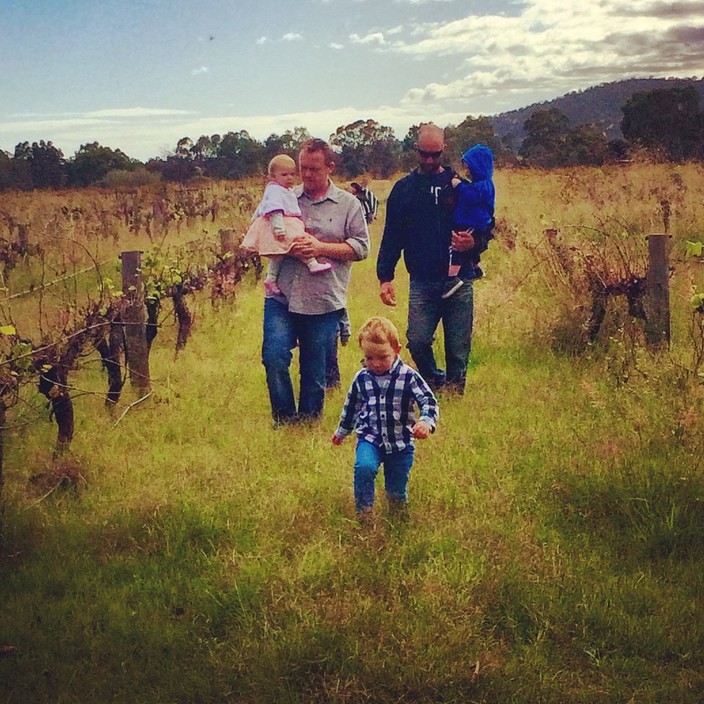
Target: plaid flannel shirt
<point x="381" y="407"/>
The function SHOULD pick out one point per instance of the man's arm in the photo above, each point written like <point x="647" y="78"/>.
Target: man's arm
<point x="354" y="247"/>
<point x="392" y="239"/>
<point x="387" y="293"/>
<point x="391" y="246"/>
<point x="307" y="246"/>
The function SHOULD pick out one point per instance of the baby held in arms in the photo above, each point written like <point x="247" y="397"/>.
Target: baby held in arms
<point x="277" y="222"/>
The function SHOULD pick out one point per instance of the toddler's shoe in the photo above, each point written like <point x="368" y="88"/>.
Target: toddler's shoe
<point x="452" y="286"/>
<point x="271" y="287"/>
<point x="318" y="267"/>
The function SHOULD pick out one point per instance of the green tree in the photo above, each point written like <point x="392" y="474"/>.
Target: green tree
<point x="471" y="131"/>
<point x="5" y="171"/>
<point x="666" y="119"/>
<point x="184" y="148"/>
<point x="239" y="156"/>
<point x="46" y="164"/>
<point x="204" y="153"/>
<point x="587" y="145"/>
<point x="365" y="146"/>
<point x="547" y="137"/>
<point x="288" y="143"/>
<point x="205" y="148"/>
<point x="92" y="162"/>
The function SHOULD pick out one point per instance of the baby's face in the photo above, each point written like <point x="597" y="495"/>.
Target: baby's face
<point x="378" y="358"/>
<point x="285" y="175"/>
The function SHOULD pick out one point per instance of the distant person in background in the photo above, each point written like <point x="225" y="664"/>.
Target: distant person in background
<point x="277" y="221"/>
<point x="419" y="224"/>
<point x="381" y="409"/>
<point x="474" y="212"/>
<point x="369" y="201"/>
<point x="308" y="309"/>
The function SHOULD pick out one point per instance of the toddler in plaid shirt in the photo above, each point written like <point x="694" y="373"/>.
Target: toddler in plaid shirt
<point x="380" y="408"/>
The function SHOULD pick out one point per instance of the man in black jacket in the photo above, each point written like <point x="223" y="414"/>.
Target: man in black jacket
<point x="419" y="224"/>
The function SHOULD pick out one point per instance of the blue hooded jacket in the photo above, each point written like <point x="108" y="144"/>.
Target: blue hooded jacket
<point x="476" y="200"/>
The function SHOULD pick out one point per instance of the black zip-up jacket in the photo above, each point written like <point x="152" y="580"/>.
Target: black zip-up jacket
<point x="419" y="224"/>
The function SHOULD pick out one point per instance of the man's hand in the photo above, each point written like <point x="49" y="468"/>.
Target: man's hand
<point x="305" y="247"/>
<point x="462" y="241"/>
<point x="387" y="293"/>
<point x="421" y="430"/>
<point x="336" y="439"/>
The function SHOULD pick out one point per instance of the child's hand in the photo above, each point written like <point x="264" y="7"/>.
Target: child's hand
<point x="421" y="430"/>
<point x="456" y="180"/>
<point x="463" y="240"/>
<point x="336" y="439"/>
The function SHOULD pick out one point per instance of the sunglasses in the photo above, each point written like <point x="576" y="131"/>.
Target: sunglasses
<point x="429" y="155"/>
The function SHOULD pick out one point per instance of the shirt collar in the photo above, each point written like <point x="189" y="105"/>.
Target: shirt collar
<point x="331" y="194"/>
<point x="395" y="366"/>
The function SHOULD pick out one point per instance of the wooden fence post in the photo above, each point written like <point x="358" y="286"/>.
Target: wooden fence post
<point x="657" y="292"/>
<point x="134" y="318"/>
<point x="227" y="246"/>
<point x="3" y="420"/>
<point x="22" y="238"/>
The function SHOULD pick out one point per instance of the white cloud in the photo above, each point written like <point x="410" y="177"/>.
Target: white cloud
<point x="480" y="64"/>
<point x="134" y="130"/>
<point x="555" y="46"/>
<point x="158" y="131"/>
<point x="372" y="38"/>
<point x="136" y="112"/>
<point x="200" y="71"/>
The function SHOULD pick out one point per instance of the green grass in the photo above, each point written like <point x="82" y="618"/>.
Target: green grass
<point x="553" y="550"/>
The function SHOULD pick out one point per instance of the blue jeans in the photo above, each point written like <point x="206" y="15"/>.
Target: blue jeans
<point x="426" y="308"/>
<point x="397" y="468"/>
<point x="332" y="365"/>
<point x="314" y="334"/>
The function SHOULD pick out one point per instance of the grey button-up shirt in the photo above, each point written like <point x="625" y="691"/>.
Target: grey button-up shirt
<point x="336" y="217"/>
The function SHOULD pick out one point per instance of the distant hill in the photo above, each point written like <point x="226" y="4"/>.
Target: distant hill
<point x="600" y="105"/>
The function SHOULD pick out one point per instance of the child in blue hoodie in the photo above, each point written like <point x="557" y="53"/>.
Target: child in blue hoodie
<point x="474" y="212"/>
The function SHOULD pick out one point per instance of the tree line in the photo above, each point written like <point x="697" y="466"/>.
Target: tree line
<point x="667" y="123"/>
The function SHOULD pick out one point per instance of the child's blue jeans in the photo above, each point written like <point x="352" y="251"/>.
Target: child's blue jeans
<point x="397" y="468"/>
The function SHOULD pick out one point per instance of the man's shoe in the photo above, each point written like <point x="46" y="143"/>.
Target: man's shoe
<point x="365" y="516"/>
<point x="452" y="286"/>
<point x="436" y="381"/>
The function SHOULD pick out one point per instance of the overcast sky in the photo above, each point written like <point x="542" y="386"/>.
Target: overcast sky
<point x="138" y="75"/>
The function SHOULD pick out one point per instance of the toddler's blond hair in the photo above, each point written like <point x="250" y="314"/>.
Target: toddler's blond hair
<point x="280" y="161"/>
<point x="378" y="331"/>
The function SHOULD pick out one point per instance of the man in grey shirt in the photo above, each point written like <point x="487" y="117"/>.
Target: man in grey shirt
<point x="310" y="305"/>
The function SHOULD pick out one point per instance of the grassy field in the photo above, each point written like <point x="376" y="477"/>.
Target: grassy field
<point x="554" y="547"/>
